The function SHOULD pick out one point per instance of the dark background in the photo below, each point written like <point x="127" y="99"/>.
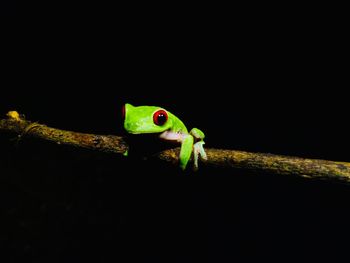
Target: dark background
<point x="250" y="81"/>
<point x="8" y="8"/>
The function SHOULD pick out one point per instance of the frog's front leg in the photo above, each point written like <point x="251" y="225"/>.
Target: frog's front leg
<point x="187" y="145"/>
<point x="186" y="141"/>
<point x="186" y="150"/>
<point x="198" y="148"/>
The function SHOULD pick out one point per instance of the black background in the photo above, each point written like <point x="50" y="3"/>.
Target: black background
<point x="250" y="81"/>
<point x="8" y="8"/>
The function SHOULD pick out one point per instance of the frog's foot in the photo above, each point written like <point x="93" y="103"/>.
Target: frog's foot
<point x="198" y="149"/>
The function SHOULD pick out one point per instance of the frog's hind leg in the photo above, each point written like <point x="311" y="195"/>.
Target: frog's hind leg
<point x="197" y="133"/>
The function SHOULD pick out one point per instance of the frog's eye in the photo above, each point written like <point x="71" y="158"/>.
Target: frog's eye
<point x="123" y="112"/>
<point x="160" y="117"/>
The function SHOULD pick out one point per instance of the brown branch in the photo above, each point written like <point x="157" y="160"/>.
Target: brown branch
<point x="278" y="164"/>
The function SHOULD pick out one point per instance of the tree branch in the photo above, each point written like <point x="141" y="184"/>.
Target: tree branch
<point x="278" y="164"/>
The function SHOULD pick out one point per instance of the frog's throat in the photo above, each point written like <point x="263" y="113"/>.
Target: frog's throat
<point x="173" y="136"/>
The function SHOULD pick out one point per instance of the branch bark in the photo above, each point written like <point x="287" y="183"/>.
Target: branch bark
<point x="277" y="164"/>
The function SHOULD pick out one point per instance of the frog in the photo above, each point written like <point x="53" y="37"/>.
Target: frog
<point x="168" y="127"/>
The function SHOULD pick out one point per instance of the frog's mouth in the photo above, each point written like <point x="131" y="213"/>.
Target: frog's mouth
<point x="145" y="132"/>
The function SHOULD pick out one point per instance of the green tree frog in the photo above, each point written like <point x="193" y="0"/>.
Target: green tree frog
<point x="153" y="119"/>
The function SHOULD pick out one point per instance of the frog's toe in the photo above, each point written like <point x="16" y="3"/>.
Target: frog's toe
<point x="199" y="149"/>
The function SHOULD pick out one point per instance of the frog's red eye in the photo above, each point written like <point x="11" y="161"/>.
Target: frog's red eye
<point x="123" y="112"/>
<point x="160" y="117"/>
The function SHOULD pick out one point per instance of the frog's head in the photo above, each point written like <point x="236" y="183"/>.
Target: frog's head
<point x="145" y="119"/>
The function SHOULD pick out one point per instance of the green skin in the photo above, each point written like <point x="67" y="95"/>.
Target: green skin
<point x="139" y="120"/>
